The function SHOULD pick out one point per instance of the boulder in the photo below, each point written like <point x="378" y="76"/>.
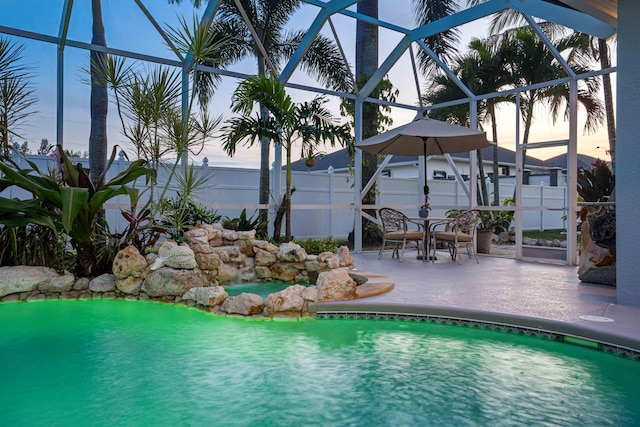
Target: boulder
<point x="324" y="256"/>
<point x="291" y="252"/>
<point x="209" y="296"/>
<point x="103" y="283"/>
<point x="287" y="300"/>
<point x="181" y="257"/>
<point x="245" y="304"/>
<point x="246" y="235"/>
<point x="58" y="283"/>
<point x="23" y="279"/>
<point x="335" y="285"/>
<point x="265" y="246"/>
<point x="129" y="262"/>
<point x="227" y="253"/>
<point x="170" y="281"/>
<point x="358" y="278"/>
<point x="285" y="271"/>
<point x="312" y="263"/>
<point x="346" y="260"/>
<point x="165" y="247"/>
<point x="245" y="247"/>
<point x="196" y="235"/>
<point x="310" y="293"/>
<point x="215" y="236"/>
<point x="263" y="272"/>
<point x="81" y="284"/>
<point x="207" y="261"/>
<point x="264" y="257"/>
<point x="201" y="248"/>
<point x="247" y="274"/>
<point x="229" y="235"/>
<point x="333" y="262"/>
<point x="227" y="273"/>
<point x="130" y="285"/>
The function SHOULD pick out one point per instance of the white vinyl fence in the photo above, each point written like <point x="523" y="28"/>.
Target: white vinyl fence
<point x="323" y="204"/>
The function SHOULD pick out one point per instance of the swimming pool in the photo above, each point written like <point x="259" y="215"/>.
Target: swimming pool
<point x="114" y="362"/>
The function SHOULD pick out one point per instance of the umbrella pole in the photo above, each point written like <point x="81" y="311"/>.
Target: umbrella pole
<point x="426" y="187"/>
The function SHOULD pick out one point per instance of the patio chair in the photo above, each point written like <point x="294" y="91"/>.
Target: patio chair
<point x="395" y="229"/>
<point x="459" y="233"/>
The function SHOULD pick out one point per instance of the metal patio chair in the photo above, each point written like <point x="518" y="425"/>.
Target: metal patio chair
<point x="395" y="229"/>
<point x="459" y="233"/>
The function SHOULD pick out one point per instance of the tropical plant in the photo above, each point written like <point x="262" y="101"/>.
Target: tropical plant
<point x="16" y="94"/>
<point x="269" y="18"/>
<point x="597" y="184"/>
<point x="178" y="215"/>
<point x="498" y="221"/>
<point x="69" y="203"/>
<point x="247" y="223"/>
<point x="318" y="246"/>
<point x="30" y="244"/>
<point x="287" y="122"/>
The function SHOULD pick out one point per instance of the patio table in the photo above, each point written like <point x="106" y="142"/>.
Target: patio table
<point x="426" y="231"/>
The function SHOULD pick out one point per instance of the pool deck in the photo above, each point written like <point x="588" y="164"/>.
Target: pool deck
<point x="533" y="296"/>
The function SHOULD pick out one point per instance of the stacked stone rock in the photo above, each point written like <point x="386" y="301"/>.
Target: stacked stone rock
<point x="192" y="273"/>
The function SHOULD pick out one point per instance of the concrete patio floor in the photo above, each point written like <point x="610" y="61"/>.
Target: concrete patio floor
<point x="533" y="296"/>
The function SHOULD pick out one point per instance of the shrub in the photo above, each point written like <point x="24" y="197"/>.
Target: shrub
<point x="179" y="215"/>
<point x="242" y="223"/>
<point x="317" y="246"/>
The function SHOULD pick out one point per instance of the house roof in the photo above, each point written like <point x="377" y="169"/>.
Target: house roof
<point x="339" y="159"/>
<point x="584" y="161"/>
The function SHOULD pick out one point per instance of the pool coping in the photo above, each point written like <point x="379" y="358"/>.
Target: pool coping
<point x="558" y="330"/>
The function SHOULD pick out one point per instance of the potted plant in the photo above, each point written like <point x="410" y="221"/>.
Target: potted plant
<point x="493" y="222"/>
<point x="423" y="212"/>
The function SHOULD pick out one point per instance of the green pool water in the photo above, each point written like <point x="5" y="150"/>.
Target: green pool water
<point x="131" y="363"/>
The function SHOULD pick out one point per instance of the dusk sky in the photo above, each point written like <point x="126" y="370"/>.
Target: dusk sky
<point x="128" y="29"/>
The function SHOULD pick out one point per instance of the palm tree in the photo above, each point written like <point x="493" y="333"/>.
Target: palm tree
<point x="599" y="51"/>
<point x="366" y="65"/>
<point x="269" y="19"/>
<point x="482" y="71"/>
<point x="99" y="98"/>
<point x="531" y="62"/>
<point x="444" y="44"/>
<point x="16" y="93"/>
<point x="287" y="122"/>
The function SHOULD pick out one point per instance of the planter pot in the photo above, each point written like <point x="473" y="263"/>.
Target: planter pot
<point x="423" y="212"/>
<point x="483" y="239"/>
<point x="310" y="162"/>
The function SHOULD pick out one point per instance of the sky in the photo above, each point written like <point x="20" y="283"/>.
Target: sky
<point x="127" y="28"/>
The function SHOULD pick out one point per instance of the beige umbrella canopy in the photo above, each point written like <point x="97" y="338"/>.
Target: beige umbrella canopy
<point x="425" y="136"/>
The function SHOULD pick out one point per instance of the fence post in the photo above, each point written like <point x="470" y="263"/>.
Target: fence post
<point x="541" y="205"/>
<point x="331" y="200"/>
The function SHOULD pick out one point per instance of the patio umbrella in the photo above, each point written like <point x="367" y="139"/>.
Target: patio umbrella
<point x="425" y="136"/>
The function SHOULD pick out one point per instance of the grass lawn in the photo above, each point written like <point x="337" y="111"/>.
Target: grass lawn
<point x="545" y="234"/>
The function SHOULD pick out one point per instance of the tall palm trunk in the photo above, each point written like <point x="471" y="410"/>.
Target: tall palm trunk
<point x="99" y="99"/>
<point x="496" y="171"/>
<point x="483" y="181"/>
<point x="287" y="197"/>
<point x="366" y="65"/>
<point x="264" y="158"/>
<point x="608" y="100"/>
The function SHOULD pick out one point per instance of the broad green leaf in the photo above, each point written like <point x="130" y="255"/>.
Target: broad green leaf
<point x="73" y="199"/>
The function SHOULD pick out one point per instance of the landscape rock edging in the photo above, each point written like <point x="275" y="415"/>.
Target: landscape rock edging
<point x="192" y="273"/>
